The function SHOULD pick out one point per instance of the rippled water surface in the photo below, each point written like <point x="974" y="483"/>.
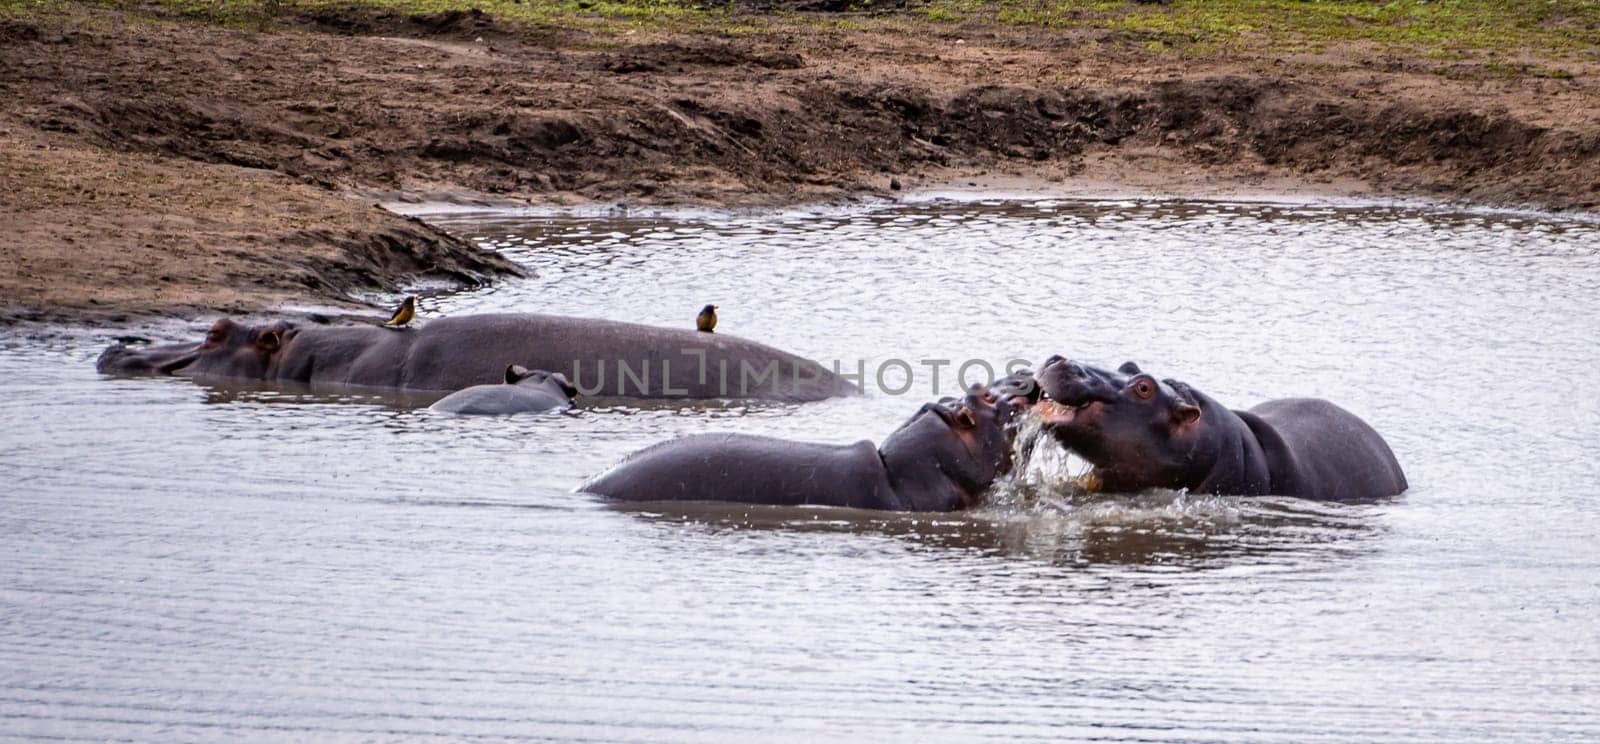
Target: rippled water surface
<point x="190" y="562"/>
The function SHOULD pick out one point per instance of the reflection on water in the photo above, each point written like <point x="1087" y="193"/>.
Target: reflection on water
<point x="201" y="561"/>
<point x="276" y="393"/>
<point x="1145" y="531"/>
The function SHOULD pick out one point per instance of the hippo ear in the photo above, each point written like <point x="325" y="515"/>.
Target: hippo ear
<point x="515" y="373"/>
<point x="1184" y="414"/>
<point x="269" y="341"/>
<point x="1129" y="368"/>
<point x="219" y="332"/>
<point x="566" y="385"/>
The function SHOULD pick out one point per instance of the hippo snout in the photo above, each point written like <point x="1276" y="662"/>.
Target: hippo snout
<point x="1062" y="366"/>
<point x="121" y="359"/>
<point x="1072" y="384"/>
<point x="115" y="358"/>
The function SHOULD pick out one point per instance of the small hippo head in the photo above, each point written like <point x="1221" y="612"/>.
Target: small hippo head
<point x="230" y="350"/>
<point x="556" y="382"/>
<point x="1019" y="388"/>
<point x="1136" y="431"/>
<point x="963" y="443"/>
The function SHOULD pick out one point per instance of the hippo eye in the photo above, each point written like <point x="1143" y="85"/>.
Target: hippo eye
<point x="1144" y="388"/>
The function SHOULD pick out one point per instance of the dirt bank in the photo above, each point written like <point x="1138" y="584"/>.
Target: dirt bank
<point x="99" y="236"/>
<point x="152" y="162"/>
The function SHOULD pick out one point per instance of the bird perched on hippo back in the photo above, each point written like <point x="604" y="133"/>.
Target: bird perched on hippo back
<point x="404" y="314"/>
<point x="523" y="391"/>
<point x="706" y="321"/>
<point x="942" y="459"/>
<point x="1139" y="432"/>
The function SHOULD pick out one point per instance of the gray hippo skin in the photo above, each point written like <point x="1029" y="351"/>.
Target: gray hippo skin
<point x="524" y="391"/>
<point x="943" y="459"/>
<point x="601" y="358"/>
<point x="1139" y="432"/>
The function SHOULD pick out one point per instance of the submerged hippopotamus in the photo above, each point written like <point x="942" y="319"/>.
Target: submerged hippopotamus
<point x="524" y="391"/>
<point x="602" y="358"/>
<point x="942" y="459"/>
<point x="1139" y="432"/>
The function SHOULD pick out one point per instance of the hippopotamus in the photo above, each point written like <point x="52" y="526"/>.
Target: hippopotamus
<point x="1020" y="385"/>
<point x="1138" y="432"/>
<point x="942" y="459"/>
<point x="524" y="391"/>
<point x="601" y="358"/>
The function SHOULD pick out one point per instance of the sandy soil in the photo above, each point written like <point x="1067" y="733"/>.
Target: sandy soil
<point x="152" y="165"/>
<point x="98" y="236"/>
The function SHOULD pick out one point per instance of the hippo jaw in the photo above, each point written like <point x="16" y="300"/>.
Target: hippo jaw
<point x="171" y="359"/>
<point x="1077" y="429"/>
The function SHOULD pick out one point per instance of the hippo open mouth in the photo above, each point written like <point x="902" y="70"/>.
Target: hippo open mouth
<point x="1068" y="404"/>
<point x="1061" y="417"/>
<point x="1068" y="390"/>
<point x="1074" y="401"/>
<point x="1057" y="413"/>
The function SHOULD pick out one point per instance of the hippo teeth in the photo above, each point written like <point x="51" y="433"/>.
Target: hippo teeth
<point x="1044" y="396"/>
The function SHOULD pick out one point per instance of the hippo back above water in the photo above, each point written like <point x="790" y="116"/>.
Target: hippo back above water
<point x="1139" y="432"/>
<point x="524" y="391"/>
<point x="602" y="358"/>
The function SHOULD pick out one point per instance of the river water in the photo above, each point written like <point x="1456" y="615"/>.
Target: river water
<point x="184" y="562"/>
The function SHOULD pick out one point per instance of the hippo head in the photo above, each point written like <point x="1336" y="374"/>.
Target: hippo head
<point x="229" y="350"/>
<point x="556" y="382"/>
<point x="1019" y="388"/>
<point x="964" y="442"/>
<point x="1136" y="431"/>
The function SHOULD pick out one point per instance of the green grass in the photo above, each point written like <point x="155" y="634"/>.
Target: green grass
<point x="1426" y="26"/>
<point x="1441" y="29"/>
<point x="25" y="8"/>
<point x="599" y="14"/>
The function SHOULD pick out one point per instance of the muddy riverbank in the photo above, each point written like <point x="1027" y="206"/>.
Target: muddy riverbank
<point x="152" y="163"/>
